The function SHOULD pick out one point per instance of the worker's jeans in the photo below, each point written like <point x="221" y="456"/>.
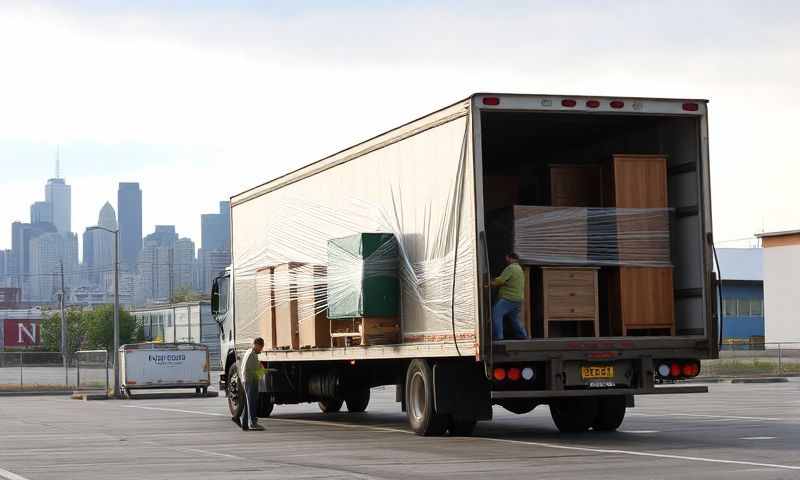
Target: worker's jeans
<point x="502" y="309"/>
<point x="249" y="416"/>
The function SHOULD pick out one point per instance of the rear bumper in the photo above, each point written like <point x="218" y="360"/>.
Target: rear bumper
<point x="552" y="394"/>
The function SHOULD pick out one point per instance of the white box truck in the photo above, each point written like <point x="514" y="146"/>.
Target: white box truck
<point x="164" y="366"/>
<point x="436" y="185"/>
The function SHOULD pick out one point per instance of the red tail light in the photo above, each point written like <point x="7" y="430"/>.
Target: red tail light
<point x="499" y="374"/>
<point x="491" y="101"/>
<point x="691" y="107"/>
<point x="592" y="103"/>
<point x="513" y="374"/>
<point x="691" y="369"/>
<point x="675" y="370"/>
<point x="568" y="102"/>
<point x="617" y="104"/>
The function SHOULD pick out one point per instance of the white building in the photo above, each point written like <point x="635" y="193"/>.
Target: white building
<point x="781" y="286"/>
<point x="47" y="252"/>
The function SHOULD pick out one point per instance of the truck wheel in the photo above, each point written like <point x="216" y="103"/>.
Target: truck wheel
<point x="610" y="414"/>
<point x="330" y="405"/>
<point x="235" y="391"/>
<point x="520" y="406"/>
<point x="574" y="415"/>
<point x="357" y="401"/>
<point x="265" y="405"/>
<point x="419" y="400"/>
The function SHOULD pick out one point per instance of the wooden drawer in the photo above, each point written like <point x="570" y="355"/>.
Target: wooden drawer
<point x="553" y="278"/>
<point x="583" y="306"/>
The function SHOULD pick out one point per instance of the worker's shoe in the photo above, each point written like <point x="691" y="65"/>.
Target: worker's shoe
<point x="236" y="421"/>
<point x="256" y="427"/>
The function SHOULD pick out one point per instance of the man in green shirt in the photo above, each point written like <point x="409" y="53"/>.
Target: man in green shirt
<point x="509" y="299"/>
<point x="251" y="372"/>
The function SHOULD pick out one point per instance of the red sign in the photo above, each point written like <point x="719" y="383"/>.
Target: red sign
<point x="22" y="333"/>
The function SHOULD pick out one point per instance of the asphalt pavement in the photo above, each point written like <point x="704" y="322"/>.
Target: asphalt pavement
<point x="736" y="431"/>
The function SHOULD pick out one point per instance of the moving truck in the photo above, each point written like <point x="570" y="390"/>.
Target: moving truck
<point x="374" y="266"/>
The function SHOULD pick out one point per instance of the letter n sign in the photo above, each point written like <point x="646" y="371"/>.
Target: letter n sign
<point x="21" y="333"/>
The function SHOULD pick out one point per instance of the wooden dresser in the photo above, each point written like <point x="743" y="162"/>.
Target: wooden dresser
<point x="569" y="295"/>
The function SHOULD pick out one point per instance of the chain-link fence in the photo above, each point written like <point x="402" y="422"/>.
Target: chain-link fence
<point x="48" y="372"/>
<point x="94" y="370"/>
<point x="35" y="371"/>
<point x="755" y="359"/>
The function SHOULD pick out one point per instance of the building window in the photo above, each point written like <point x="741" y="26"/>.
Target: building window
<point x="743" y="308"/>
<point x="757" y="308"/>
<point x="729" y="307"/>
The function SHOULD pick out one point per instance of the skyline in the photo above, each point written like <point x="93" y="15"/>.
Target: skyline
<point x="248" y="92"/>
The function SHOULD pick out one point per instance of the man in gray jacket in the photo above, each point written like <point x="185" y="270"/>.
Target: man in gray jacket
<point x="251" y="372"/>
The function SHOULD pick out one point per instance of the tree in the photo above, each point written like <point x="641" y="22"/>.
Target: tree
<point x="100" y="328"/>
<point x="185" y="294"/>
<point x="51" y="331"/>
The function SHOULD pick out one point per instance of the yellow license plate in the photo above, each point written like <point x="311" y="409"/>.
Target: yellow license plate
<point x="599" y="371"/>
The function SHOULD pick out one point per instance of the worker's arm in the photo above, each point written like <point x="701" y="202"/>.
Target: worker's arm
<point x="503" y="278"/>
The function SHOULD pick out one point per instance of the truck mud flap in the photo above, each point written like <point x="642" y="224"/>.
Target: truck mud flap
<point x="462" y="391"/>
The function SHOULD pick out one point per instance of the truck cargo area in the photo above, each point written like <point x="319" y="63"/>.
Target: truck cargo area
<point x="560" y="170"/>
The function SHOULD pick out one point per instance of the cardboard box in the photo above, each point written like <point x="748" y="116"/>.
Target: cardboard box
<point x="314" y="326"/>
<point x="286" y="313"/>
<point x="265" y="293"/>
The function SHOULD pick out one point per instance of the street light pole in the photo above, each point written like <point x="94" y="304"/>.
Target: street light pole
<point x="116" y="306"/>
<point x="116" y="313"/>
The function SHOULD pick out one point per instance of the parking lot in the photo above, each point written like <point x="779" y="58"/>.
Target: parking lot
<point x="735" y="431"/>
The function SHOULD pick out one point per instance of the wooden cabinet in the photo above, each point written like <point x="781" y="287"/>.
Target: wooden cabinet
<point x="286" y="313"/>
<point x="570" y="295"/>
<point x="576" y="185"/>
<point x="640" y="298"/>
<point x="265" y="293"/>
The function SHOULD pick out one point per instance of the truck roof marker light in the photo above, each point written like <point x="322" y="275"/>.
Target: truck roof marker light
<point x="690" y="106"/>
<point x="592" y="103"/>
<point x="491" y="101"/>
<point x="663" y="370"/>
<point x="675" y="370"/>
<point x="568" y="102"/>
<point x="617" y="104"/>
<point x="514" y="374"/>
<point x="527" y="373"/>
<point x="499" y="374"/>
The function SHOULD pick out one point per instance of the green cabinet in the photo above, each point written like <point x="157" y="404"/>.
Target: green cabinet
<point x="362" y="276"/>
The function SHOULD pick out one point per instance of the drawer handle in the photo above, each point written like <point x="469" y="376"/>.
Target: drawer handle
<point x="572" y="310"/>
<point x="571" y="294"/>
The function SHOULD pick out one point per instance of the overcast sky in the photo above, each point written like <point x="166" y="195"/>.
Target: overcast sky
<point x="197" y="101"/>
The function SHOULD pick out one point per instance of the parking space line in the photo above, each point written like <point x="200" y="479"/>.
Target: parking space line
<point x="698" y="415"/>
<point x="6" y="475"/>
<point x="757" y="438"/>
<point x="519" y="442"/>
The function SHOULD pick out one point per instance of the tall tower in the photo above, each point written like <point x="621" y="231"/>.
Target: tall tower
<point x="58" y="195"/>
<point x="129" y="206"/>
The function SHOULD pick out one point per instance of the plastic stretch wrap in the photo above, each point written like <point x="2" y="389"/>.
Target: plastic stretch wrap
<point x="593" y="236"/>
<point x="417" y="192"/>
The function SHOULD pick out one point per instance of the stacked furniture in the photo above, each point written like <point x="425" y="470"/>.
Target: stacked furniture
<point x="265" y="292"/>
<point x="313" y="323"/>
<point x="363" y="289"/>
<point x="286" y="306"/>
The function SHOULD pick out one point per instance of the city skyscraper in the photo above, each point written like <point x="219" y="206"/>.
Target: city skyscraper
<point x="41" y="212"/>
<point x="98" y="246"/>
<point x="215" y="230"/>
<point x="129" y="205"/>
<point x="59" y="196"/>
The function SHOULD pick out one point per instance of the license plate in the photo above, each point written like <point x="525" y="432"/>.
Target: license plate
<point x="597" y="371"/>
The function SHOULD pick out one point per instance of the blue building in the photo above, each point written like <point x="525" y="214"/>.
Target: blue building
<point x="742" y="296"/>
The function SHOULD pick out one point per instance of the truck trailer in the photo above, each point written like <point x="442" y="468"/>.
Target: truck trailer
<point x="374" y="265"/>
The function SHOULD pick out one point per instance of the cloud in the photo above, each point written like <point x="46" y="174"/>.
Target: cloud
<point x="206" y="101"/>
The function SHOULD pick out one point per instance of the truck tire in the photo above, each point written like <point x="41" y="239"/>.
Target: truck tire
<point x="420" y="409"/>
<point x="265" y="405"/>
<point x="330" y="405"/>
<point x="574" y="415"/>
<point x="520" y="406"/>
<point x="610" y="414"/>
<point x="357" y="401"/>
<point x="235" y="391"/>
